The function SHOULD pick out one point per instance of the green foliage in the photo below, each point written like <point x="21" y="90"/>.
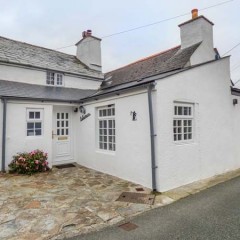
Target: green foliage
<point x="29" y="163"/>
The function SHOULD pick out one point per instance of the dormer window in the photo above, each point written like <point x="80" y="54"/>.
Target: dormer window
<point x="54" y="79"/>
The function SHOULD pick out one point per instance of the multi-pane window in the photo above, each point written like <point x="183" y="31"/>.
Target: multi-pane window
<point x="62" y="124"/>
<point x="183" y="122"/>
<point x="106" y="128"/>
<point x="54" y="79"/>
<point x="34" y="122"/>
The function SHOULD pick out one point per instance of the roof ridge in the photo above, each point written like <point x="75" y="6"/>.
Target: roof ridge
<point x="146" y="58"/>
<point x="49" y="49"/>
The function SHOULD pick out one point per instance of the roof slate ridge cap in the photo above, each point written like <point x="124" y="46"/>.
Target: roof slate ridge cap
<point x="146" y="58"/>
<point x="49" y="49"/>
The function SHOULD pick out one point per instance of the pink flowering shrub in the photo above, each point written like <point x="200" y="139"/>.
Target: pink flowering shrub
<point x="29" y="163"/>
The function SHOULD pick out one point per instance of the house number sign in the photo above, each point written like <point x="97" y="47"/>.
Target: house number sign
<point x="84" y="116"/>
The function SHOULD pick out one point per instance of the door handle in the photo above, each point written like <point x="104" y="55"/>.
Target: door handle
<point x="53" y="134"/>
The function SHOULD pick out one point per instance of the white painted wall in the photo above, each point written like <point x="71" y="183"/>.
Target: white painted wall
<point x="199" y="30"/>
<point x="1" y="122"/>
<point x="212" y="151"/>
<point x="32" y="76"/>
<point x="131" y="160"/>
<point x="16" y="138"/>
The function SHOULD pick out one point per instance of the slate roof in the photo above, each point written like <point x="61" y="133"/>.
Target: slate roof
<point x="170" y="60"/>
<point x="39" y="92"/>
<point x="26" y="54"/>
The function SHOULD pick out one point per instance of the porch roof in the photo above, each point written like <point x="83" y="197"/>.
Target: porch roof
<point x="31" y="91"/>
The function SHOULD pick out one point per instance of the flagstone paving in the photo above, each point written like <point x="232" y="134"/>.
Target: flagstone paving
<point x="73" y="201"/>
<point x="62" y="203"/>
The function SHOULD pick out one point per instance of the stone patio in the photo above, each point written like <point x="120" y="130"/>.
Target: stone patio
<point x="73" y="201"/>
<point x="63" y="203"/>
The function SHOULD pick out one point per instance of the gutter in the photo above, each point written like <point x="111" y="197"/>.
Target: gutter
<point x="38" y="99"/>
<point x="152" y="136"/>
<point x="4" y="101"/>
<point x="115" y="92"/>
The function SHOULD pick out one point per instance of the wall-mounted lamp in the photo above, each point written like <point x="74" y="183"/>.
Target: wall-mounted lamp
<point x="82" y="109"/>
<point x="235" y="101"/>
<point x="75" y="110"/>
<point x="134" y="115"/>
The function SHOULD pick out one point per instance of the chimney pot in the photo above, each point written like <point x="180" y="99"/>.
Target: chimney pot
<point x="194" y="13"/>
<point x="87" y="33"/>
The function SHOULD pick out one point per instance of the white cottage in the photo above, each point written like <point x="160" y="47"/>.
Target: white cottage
<point x="164" y="121"/>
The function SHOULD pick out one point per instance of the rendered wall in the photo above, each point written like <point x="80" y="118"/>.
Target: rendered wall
<point x="18" y="74"/>
<point x="212" y="151"/>
<point x="132" y="160"/>
<point x="16" y="138"/>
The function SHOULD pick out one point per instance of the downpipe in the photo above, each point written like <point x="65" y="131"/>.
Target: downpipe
<point x="4" y="101"/>
<point x="152" y="137"/>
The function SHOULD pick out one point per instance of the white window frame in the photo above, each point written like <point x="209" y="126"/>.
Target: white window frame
<point x="107" y="139"/>
<point x="34" y="121"/>
<point x="184" y="122"/>
<point x="54" y="79"/>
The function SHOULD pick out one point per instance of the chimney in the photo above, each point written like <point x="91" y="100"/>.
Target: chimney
<point x="89" y="51"/>
<point x="198" y="30"/>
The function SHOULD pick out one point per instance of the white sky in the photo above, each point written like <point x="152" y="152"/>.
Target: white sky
<point x="58" y="23"/>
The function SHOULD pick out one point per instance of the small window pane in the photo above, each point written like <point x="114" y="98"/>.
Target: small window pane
<point x="66" y="123"/>
<point x="62" y="132"/>
<point x="37" y="115"/>
<point x="38" y="125"/>
<point x="62" y="123"/>
<point x="66" y="115"/>
<point x="30" y="132"/>
<point x="38" y="132"/>
<point x="67" y="131"/>
<point x="30" y="125"/>
<point x="58" y="123"/>
<point x="58" y="132"/>
<point x="31" y="115"/>
<point x="180" y="112"/>
<point x="190" y="111"/>
<point x="62" y="115"/>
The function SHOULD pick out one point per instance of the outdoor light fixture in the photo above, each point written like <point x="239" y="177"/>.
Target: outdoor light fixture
<point x="235" y="101"/>
<point x="134" y="115"/>
<point x="75" y="110"/>
<point x="82" y="109"/>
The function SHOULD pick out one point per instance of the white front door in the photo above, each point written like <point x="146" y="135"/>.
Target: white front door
<point x="62" y="135"/>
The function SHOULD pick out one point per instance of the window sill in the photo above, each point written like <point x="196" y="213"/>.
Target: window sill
<point x="184" y="143"/>
<point x="106" y="152"/>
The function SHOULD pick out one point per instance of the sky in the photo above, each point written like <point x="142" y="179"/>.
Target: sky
<point x="54" y="24"/>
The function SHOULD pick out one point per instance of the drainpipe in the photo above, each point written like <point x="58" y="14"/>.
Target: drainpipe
<point x="4" y="101"/>
<point x="152" y="135"/>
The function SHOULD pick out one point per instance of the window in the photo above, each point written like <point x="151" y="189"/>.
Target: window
<point x="62" y="124"/>
<point x="183" y="123"/>
<point x="34" y="122"/>
<point x="55" y="79"/>
<point x="106" y="128"/>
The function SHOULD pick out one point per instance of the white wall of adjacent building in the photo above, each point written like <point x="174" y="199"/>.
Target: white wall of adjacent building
<point x="212" y="150"/>
<point x="34" y="76"/>
<point x="132" y="159"/>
